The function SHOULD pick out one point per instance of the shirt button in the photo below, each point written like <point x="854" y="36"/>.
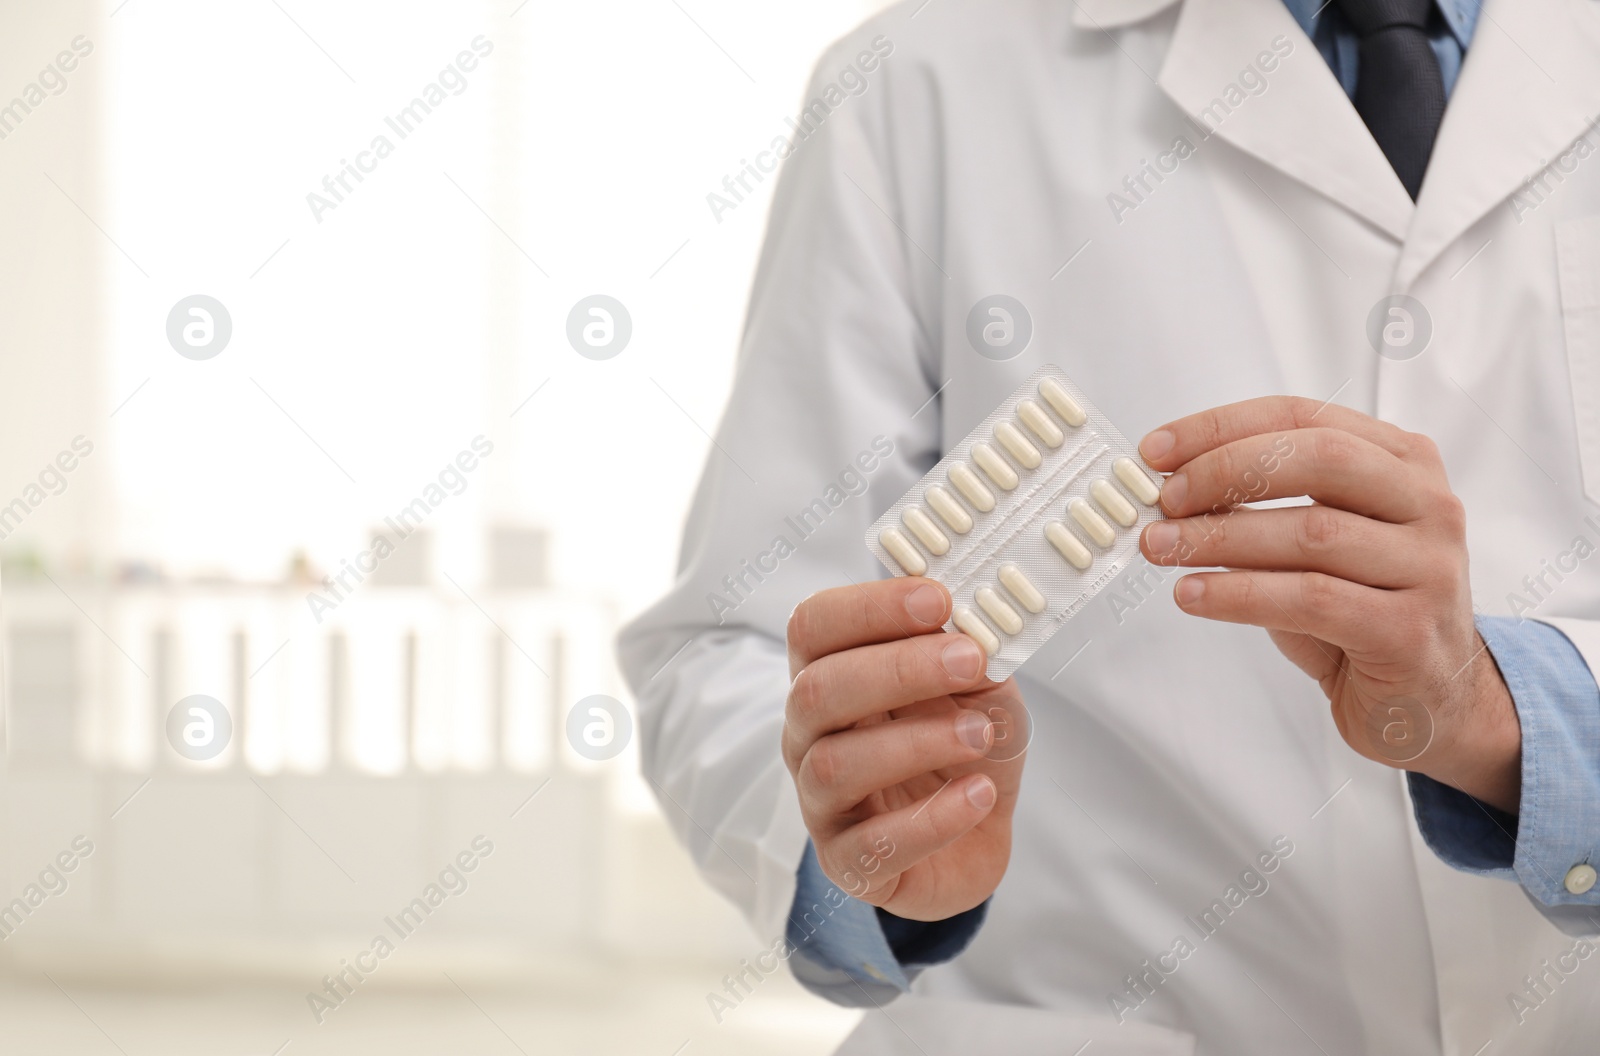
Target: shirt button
<point x="1580" y="878"/>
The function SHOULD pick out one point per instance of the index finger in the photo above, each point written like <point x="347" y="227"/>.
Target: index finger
<point x="1176" y="443"/>
<point x="882" y="610"/>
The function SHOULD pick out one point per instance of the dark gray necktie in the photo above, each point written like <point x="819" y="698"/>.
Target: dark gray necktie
<point x="1399" y="90"/>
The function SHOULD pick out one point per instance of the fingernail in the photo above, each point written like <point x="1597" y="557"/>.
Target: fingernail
<point x="926" y="605"/>
<point x="1189" y="590"/>
<point x="1156" y="444"/>
<point x="974" y="730"/>
<point x="981" y="793"/>
<point x="1174" y="491"/>
<point x="1161" y="537"/>
<point x="962" y="657"/>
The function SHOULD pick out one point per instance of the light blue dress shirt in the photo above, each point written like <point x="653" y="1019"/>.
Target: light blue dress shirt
<point x="1451" y="31"/>
<point x="857" y="955"/>
<point x="1557" y="827"/>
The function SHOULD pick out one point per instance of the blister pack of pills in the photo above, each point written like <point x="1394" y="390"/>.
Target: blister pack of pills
<point x="1025" y="520"/>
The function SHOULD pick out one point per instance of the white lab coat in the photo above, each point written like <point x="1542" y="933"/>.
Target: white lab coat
<point x="1172" y="751"/>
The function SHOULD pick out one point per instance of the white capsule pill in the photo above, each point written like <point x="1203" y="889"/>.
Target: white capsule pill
<point x="1070" y="546"/>
<point x="1021" y="588"/>
<point x="1144" y="489"/>
<point x="902" y="551"/>
<point x="968" y="623"/>
<point x="1056" y="395"/>
<point x="926" y="531"/>
<point x="971" y="488"/>
<point x="1040" y="424"/>
<point x="997" y="468"/>
<point x="1017" y="445"/>
<point x="990" y="601"/>
<point x="1093" y="525"/>
<point x="949" y="510"/>
<point x="1110" y="499"/>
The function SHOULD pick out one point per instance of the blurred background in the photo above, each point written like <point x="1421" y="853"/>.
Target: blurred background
<point x="357" y="363"/>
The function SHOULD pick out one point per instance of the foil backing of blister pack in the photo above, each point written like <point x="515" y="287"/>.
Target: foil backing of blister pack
<point x="1015" y="532"/>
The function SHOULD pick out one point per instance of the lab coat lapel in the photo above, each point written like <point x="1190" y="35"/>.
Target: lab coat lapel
<point x="1530" y="86"/>
<point x="1303" y="123"/>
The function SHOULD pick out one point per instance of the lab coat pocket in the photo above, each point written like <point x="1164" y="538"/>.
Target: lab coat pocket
<point x="918" y="1025"/>
<point x="1578" y="256"/>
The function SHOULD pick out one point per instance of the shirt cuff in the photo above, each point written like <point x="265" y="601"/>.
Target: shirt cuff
<point x="847" y="949"/>
<point x="1556" y="832"/>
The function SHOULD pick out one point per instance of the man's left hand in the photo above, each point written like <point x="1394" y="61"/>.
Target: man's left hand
<point x="1365" y="590"/>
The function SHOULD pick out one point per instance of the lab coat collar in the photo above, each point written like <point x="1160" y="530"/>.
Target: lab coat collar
<point x="1110" y="14"/>
<point x="1302" y="124"/>
<point x="1530" y="86"/>
<point x="1460" y="15"/>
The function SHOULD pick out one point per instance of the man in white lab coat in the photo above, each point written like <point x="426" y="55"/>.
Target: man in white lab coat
<point x="1168" y="841"/>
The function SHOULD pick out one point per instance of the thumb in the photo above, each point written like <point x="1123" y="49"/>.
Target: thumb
<point x="1317" y="658"/>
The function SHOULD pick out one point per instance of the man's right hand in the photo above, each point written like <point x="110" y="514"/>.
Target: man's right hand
<point x="907" y="759"/>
